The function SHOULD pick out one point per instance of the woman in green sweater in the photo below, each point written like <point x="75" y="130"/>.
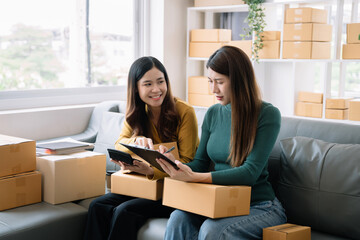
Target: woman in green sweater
<point x="237" y="137"/>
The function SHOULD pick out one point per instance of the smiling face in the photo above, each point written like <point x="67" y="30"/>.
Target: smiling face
<point x="152" y="88"/>
<point x="220" y="86"/>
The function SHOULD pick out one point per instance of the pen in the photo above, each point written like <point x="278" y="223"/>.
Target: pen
<point x="172" y="148"/>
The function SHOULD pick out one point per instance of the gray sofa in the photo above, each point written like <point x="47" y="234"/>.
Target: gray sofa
<point x="314" y="168"/>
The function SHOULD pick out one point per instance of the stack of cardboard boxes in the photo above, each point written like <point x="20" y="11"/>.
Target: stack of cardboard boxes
<point x="20" y="184"/>
<point x="351" y="50"/>
<point x="199" y="92"/>
<point x="309" y="104"/>
<point x="337" y="108"/>
<point x="306" y="34"/>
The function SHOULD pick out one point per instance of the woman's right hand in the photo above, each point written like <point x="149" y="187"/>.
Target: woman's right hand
<point x="144" y="142"/>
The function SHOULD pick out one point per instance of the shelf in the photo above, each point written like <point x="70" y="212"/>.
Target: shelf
<point x="291" y="60"/>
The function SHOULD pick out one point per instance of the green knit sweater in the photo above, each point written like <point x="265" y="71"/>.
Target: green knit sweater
<point x="214" y="146"/>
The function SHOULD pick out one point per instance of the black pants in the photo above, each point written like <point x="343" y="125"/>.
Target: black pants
<point x="115" y="216"/>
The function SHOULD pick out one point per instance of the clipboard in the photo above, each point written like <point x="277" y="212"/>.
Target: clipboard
<point x="149" y="155"/>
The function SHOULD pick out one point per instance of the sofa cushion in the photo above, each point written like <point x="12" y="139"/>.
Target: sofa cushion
<point x="109" y="132"/>
<point x="319" y="185"/>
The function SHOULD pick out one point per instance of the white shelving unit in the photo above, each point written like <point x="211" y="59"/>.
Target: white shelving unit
<point x="281" y="79"/>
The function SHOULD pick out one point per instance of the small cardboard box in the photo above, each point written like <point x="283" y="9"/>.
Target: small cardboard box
<point x="353" y="33"/>
<point x="20" y="189"/>
<point x="305" y="15"/>
<point x="72" y="177"/>
<point x="310" y="97"/>
<point x="337" y="103"/>
<point x="306" y="50"/>
<point x="340" y="114"/>
<point x="17" y="155"/>
<point x="270" y="35"/>
<point x="306" y="109"/>
<point x="210" y="35"/>
<point x="204" y="100"/>
<point x="271" y="49"/>
<point x="199" y="85"/>
<point x="244" y="45"/>
<point x="287" y="232"/>
<point x="307" y="32"/>
<point x="351" y="51"/>
<point x="214" y="201"/>
<point x="136" y="185"/>
<point x="354" y="110"/>
<point x="206" y="3"/>
<point x="203" y="49"/>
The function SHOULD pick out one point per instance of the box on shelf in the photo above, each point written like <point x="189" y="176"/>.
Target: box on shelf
<point x="199" y="85"/>
<point x="72" y="177"/>
<point x="306" y="50"/>
<point x="203" y="49"/>
<point x="307" y="32"/>
<point x="353" y="33"/>
<point x="203" y="100"/>
<point x="310" y="97"/>
<point x="306" y="15"/>
<point x="340" y="114"/>
<point x="20" y="189"/>
<point x="287" y="232"/>
<point x="207" y="3"/>
<point x="136" y="185"/>
<point x="271" y="49"/>
<point x="244" y="45"/>
<point x="337" y="103"/>
<point x="214" y="201"/>
<point x="354" y="110"/>
<point x="210" y="35"/>
<point x="307" y="109"/>
<point x="270" y="35"/>
<point x="17" y="155"/>
<point x="351" y="51"/>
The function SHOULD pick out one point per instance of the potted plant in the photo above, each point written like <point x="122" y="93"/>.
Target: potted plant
<point x="256" y="23"/>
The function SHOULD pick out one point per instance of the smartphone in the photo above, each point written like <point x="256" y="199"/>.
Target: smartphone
<point x="121" y="156"/>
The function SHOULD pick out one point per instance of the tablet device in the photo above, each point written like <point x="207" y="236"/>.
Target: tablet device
<point x="149" y="155"/>
<point x="120" y="156"/>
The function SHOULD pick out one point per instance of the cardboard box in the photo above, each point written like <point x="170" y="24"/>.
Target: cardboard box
<point x="307" y="50"/>
<point x="20" y="189"/>
<point x="271" y="49"/>
<point x="336" y="113"/>
<point x="354" y="110"/>
<point x="199" y="85"/>
<point x="287" y="232"/>
<point x="17" y="155"/>
<point x="271" y="35"/>
<point x="351" y="51"/>
<point x="203" y="49"/>
<point x="72" y="177"/>
<point x="204" y="100"/>
<point x="136" y="185"/>
<point x="353" y="33"/>
<point x="307" y="32"/>
<point x="244" y="45"/>
<point x="210" y="35"/>
<point x="305" y="15"/>
<point x="306" y="109"/>
<point x="310" y="97"/>
<point x="206" y="3"/>
<point x="214" y="201"/>
<point x="337" y="103"/>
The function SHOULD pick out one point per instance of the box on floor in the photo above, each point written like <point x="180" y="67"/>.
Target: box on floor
<point x="287" y="232"/>
<point x="72" y="177"/>
<point x="214" y="201"/>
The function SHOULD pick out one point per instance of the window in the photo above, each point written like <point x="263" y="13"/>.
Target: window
<point x="47" y="45"/>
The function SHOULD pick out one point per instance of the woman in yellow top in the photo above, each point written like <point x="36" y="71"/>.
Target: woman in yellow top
<point x="153" y="116"/>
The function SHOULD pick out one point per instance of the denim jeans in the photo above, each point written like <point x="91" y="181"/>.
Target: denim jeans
<point x="185" y="225"/>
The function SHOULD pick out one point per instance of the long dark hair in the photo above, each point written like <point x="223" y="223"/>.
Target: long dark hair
<point x="136" y="115"/>
<point x="245" y="99"/>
